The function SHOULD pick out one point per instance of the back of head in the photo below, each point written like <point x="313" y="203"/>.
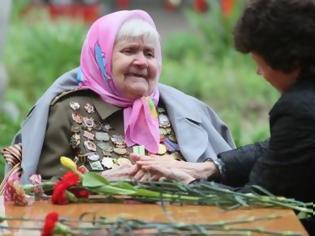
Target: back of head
<point x="281" y="31"/>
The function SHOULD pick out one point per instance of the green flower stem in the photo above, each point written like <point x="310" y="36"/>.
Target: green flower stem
<point x="46" y="185"/>
<point x="136" y="227"/>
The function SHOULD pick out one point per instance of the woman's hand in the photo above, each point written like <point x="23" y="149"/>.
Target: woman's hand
<point x="170" y="173"/>
<point x="166" y="165"/>
<point x="121" y="172"/>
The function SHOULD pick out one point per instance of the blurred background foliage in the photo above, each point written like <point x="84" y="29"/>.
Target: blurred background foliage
<point x="204" y="65"/>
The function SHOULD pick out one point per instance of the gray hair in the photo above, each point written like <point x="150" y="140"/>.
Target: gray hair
<point x="138" y="28"/>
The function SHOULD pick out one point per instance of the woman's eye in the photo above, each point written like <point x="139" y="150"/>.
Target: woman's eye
<point x="127" y="51"/>
<point x="149" y="54"/>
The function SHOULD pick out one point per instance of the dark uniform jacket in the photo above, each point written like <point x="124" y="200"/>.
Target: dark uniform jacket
<point x="285" y="163"/>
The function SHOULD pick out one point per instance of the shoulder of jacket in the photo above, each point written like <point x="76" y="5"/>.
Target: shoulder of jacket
<point x="71" y="93"/>
<point x="180" y="97"/>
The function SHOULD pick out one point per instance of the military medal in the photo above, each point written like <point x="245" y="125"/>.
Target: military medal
<point x="88" y="123"/>
<point x="75" y="141"/>
<point x="120" y="151"/>
<point x="90" y="145"/>
<point x="162" y="149"/>
<point x="88" y="135"/>
<point x="118" y="140"/>
<point x="74" y="106"/>
<point x="107" y="127"/>
<point x="96" y="165"/>
<point x="107" y="162"/>
<point x="89" y="108"/>
<point x="172" y="137"/>
<point x="75" y="128"/>
<point x="102" y="136"/>
<point x="76" y="117"/>
<point x="102" y="145"/>
<point x="93" y="156"/>
<point x="170" y="145"/>
<point x="164" y="121"/>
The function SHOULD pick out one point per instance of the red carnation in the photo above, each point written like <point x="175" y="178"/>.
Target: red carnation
<point x="80" y="192"/>
<point x="49" y="225"/>
<point x="70" y="178"/>
<point x="59" y="194"/>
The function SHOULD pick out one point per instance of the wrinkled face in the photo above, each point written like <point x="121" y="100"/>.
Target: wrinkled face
<point x="134" y="68"/>
<point x="277" y="78"/>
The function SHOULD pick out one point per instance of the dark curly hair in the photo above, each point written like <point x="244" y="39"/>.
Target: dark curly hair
<point x="281" y="31"/>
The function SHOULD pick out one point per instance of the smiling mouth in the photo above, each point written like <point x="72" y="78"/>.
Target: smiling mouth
<point x="142" y="75"/>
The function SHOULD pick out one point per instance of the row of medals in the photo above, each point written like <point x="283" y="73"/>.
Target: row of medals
<point x="113" y="147"/>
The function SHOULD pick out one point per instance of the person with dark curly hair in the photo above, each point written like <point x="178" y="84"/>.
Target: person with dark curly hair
<point x="280" y="37"/>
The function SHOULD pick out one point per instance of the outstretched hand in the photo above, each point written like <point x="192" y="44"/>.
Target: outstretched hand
<point x="167" y="167"/>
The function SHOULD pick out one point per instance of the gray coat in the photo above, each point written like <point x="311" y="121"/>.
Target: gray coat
<point x="200" y="132"/>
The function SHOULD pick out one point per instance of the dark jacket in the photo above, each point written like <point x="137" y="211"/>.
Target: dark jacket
<point x="285" y="163"/>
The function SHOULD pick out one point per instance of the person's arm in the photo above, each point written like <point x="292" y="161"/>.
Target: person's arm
<point x="287" y="169"/>
<point x="237" y="164"/>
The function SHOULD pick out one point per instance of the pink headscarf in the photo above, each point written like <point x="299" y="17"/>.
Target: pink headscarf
<point x="140" y="118"/>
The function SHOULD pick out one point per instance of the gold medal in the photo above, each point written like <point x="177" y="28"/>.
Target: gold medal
<point x="120" y="151"/>
<point x="162" y="149"/>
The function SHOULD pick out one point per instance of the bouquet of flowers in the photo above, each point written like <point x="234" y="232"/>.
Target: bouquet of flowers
<point x="77" y="185"/>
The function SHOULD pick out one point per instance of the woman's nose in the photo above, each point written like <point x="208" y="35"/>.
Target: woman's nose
<point x="140" y="60"/>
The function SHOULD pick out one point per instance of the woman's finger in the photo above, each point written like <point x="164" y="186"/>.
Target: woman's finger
<point x="138" y="175"/>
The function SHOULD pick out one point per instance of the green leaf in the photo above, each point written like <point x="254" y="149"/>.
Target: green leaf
<point x="93" y="180"/>
<point x="99" y="184"/>
<point x="122" y="184"/>
<point x="111" y="190"/>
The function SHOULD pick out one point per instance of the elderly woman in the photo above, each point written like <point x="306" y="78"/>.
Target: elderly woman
<point x="113" y="105"/>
